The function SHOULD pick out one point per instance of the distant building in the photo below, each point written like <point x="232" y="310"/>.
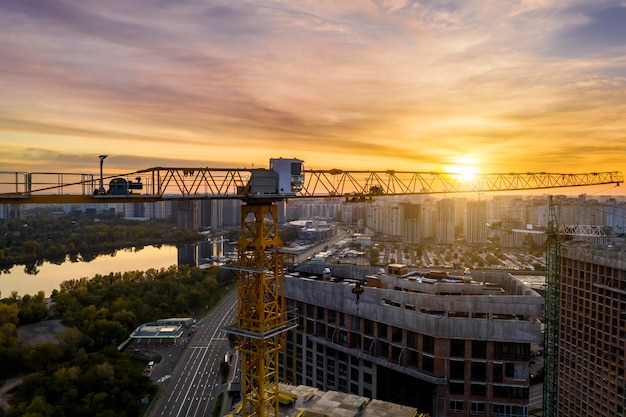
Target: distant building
<point x="185" y="214"/>
<point x="315" y="233"/>
<point x="210" y="214"/>
<point x="11" y="211"/>
<point x="592" y="337"/>
<point x="159" y="210"/>
<point x="362" y="240"/>
<point x="411" y="215"/>
<point x="231" y="212"/>
<point x="449" y="346"/>
<point x="446" y="221"/>
<point x="136" y="210"/>
<point x="475" y="222"/>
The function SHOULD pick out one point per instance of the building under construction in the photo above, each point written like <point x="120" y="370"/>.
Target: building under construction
<point x="447" y="345"/>
<point x="592" y="331"/>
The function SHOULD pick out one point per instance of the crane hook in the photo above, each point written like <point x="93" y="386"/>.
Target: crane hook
<point x="358" y="290"/>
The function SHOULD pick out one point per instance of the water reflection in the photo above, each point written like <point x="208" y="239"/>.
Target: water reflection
<point x="47" y="275"/>
<point x="214" y="251"/>
<point x="31" y="269"/>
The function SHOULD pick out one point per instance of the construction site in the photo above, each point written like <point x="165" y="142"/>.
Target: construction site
<point x="442" y="344"/>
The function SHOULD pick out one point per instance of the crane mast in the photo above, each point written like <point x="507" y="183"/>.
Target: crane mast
<point x="261" y="319"/>
<point x="552" y="314"/>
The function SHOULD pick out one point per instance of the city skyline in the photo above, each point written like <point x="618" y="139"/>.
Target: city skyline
<point x="528" y="86"/>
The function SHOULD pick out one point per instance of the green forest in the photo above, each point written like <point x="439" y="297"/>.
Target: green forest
<point x="84" y="374"/>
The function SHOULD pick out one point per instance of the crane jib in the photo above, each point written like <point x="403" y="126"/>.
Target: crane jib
<point x="286" y="178"/>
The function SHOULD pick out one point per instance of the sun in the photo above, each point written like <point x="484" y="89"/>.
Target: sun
<point x="464" y="173"/>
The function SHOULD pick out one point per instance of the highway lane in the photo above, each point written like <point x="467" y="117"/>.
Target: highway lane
<point x="196" y="380"/>
<point x="342" y="233"/>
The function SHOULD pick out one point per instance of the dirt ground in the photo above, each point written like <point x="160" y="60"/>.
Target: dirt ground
<point x="44" y="331"/>
<point x="32" y="334"/>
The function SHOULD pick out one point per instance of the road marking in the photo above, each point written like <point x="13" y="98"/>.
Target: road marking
<point x="201" y="359"/>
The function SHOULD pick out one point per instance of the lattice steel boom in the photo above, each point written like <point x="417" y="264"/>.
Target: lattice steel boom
<point x="158" y="184"/>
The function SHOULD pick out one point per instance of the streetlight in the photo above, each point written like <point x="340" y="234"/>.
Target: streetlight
<point x="102" y="158"/>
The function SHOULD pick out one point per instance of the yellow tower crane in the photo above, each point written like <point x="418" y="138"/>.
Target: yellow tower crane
<point x="261" y="318"/>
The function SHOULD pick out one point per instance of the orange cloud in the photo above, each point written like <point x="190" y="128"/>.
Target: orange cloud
<point x="395" y="85"/>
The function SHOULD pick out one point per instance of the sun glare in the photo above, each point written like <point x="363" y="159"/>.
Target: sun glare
<point x="464" y="173"/>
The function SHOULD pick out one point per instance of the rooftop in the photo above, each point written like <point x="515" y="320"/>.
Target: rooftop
<point x="156" y="331"/>
<point x="312" y="401"/>
<point x="485" y="306"/>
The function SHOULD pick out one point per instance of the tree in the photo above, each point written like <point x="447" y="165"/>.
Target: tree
<point x="33" y="309"/>
<point x="127" y="318"/>
<point x="30" y="247"/>
<point x="374" y="256"/>
<point x="181" y="302"/>
<point x="38" y="407"/>
<point x="224" y="276"/>
<point x="44" y="356"/>
<point x="105" y="332"/>
<point x="69" y="340"/>
<point x="8" y="313"/>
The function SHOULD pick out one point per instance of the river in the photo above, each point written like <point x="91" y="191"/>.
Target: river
<point x="50" y="276"/>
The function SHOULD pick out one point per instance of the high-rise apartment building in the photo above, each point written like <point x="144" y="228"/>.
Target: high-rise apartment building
<point x="159" y="210"/>
<point x="410" y="215"/>
<point x="138" y="210"/>
<point x="231" y="212"/>
<point x="11" y="211"/>
<point x="475" y="224"/>
<point x="446" y="221"/>
<point x="185" y="214"/>
<point x="384" y="217"/>
<point x="450" y="346"/>
<point x="210" y="214"/>
<point x="429" y="217"/>
<point x="592" y="334"/>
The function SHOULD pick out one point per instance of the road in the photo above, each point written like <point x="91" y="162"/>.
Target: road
<point x="536" y="399"/>
<point x="195" y="380"/>
<point x="6" y="387"/>
<point x="311" y="251"/>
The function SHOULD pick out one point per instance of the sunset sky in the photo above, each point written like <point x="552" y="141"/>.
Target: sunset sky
<point x="501" y="86"/>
